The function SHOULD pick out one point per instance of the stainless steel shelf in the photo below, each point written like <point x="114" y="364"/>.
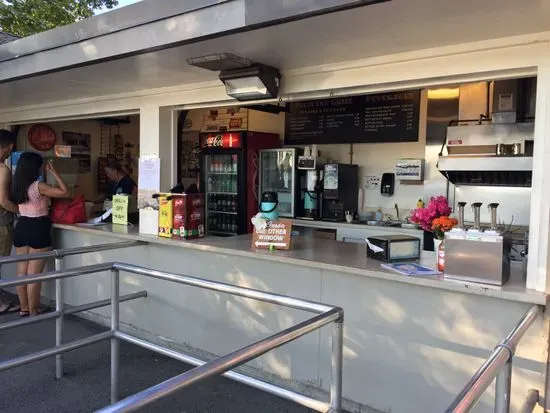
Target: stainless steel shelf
<point x="221" y="212"/>
<point x="214" y="232"/>
<point x="485" y="163"/>
<point x="222" y="173"/>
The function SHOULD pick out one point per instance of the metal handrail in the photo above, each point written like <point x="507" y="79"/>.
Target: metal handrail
<point x="530" y="402"/>
<point x="325" y="314"/>
<point x="499" y="366"/>
<point x="59" y="255"/>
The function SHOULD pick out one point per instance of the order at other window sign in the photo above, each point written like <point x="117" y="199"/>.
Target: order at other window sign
<point x="277" y="235"/>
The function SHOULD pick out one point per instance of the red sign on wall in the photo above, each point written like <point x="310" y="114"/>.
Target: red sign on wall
<point x="42" y="137"/>
<point x="221" y="140"/>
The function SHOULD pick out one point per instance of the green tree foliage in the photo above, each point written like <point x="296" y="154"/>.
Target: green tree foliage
<point x="26" y="17"/>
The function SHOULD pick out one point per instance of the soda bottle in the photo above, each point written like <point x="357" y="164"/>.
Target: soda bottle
<point x="210" y="184"/>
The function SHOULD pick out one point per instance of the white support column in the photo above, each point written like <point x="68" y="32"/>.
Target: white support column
<point x="539" y="229"/>
<point x="158" y="138"/>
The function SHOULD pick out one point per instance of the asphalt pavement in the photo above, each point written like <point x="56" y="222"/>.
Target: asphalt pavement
<point x="85" y="388"/>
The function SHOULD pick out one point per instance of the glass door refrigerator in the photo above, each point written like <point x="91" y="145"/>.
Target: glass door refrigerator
<point x="278" y="174"/>
<point x="229" y="179"/>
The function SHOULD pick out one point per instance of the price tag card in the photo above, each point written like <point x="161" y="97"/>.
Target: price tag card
<point x="120" y="209"/>
<point x="276" y="235"/>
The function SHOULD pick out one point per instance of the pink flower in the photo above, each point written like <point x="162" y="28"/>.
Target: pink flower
<point x="438" y="207"/>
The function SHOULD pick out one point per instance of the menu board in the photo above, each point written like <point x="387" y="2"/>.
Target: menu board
<point x="377" y="118"/>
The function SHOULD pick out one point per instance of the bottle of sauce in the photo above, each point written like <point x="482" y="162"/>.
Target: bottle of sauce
<point x="441" y="257"/>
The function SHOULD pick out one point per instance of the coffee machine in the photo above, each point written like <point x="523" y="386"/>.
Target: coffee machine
<point x="310" y="180"/>
<point x="340" y="191"/>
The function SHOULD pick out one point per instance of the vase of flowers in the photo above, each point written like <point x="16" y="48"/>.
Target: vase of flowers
<point x="435" y="218"/>
<point x="439" y="227"/>
<point x="438" y="207"/>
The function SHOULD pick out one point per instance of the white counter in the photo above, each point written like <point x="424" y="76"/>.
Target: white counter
<point x="331" y="255"/>
<point x="422" y="335"/>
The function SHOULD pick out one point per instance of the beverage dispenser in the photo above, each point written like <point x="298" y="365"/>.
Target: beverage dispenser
<point x="310" y="171"/>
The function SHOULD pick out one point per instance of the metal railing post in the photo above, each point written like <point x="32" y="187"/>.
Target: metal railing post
<point x="115" y="314"/>
<point x="337" y="363"/>
<point x="503" y="387"/>
<point x="499" y="366"/>
<point x="59" y="307"/>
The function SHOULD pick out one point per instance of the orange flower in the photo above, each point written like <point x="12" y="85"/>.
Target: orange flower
<point x="443" y="224"/>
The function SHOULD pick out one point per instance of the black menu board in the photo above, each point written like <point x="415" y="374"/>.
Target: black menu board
<point x="378" y="118"/>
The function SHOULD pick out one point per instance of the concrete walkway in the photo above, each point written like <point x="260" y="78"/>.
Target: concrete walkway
<point x="85" y="387"/>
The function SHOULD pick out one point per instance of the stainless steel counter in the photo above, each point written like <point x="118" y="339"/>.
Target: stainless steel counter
<point x="329" y="255"/>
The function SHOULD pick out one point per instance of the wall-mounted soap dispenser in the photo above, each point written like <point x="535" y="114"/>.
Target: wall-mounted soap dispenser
<point x="387" y="186"/>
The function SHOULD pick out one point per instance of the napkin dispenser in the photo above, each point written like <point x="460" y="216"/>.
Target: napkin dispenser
<point x="393" y="248"/>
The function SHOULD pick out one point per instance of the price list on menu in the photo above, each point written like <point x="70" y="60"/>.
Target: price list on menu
<point x="378" y="118"/>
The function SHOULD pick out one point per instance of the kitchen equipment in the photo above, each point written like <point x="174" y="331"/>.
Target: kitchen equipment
<point x="229" y="178"/>
<point x="278" y="174"/>
<point x="476" y="208"/>
<point x="493" y="212"/>
<point x="460" y="225"/>
<point x="340" y="190"/>
<point x="349" y="217"/>
<point x="310" y="184"/>
<point x="387" y="185"/>
<point x="503" y="149"/>
<point x="471" y="156"/>
<point x="516" y="149"/>
<point x="393" y="248"/>
<point x="478" y="256"/>
<point x="268" y="206"/>
<point x="482" y="257"/>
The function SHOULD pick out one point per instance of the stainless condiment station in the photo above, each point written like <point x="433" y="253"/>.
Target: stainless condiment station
<point x="476" y="254"/>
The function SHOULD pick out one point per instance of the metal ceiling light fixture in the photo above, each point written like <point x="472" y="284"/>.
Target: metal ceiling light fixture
<point x="243" y="79"/>
<point x="251" y="83"/>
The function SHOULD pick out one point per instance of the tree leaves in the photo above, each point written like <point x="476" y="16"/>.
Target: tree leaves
<point x="27" y="17"/>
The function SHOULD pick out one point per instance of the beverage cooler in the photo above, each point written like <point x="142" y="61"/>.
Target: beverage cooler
<point x="229" y="179"/>
<point x="278" y="174"/>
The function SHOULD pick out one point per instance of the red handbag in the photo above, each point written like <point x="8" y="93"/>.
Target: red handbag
<point x="69" y="211"/>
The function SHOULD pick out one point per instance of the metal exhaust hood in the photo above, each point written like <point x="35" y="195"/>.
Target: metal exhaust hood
<point x="472" y="158"/>
<point x="511" y="171"/>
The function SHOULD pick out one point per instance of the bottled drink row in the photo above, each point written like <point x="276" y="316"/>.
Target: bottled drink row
<point x="222" y="183"/>
<point x="222" y="203"/>
<point x="225" y="164"/>
<point x="222" y="223"/>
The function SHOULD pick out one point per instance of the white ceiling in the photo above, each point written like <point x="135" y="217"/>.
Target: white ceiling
<point x="387" y="28"/>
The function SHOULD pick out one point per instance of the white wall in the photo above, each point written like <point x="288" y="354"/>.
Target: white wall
<point x="407" y="349"/>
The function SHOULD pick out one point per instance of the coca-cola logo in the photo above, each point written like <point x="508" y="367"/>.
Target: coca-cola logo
<point x="214" y="141"/>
